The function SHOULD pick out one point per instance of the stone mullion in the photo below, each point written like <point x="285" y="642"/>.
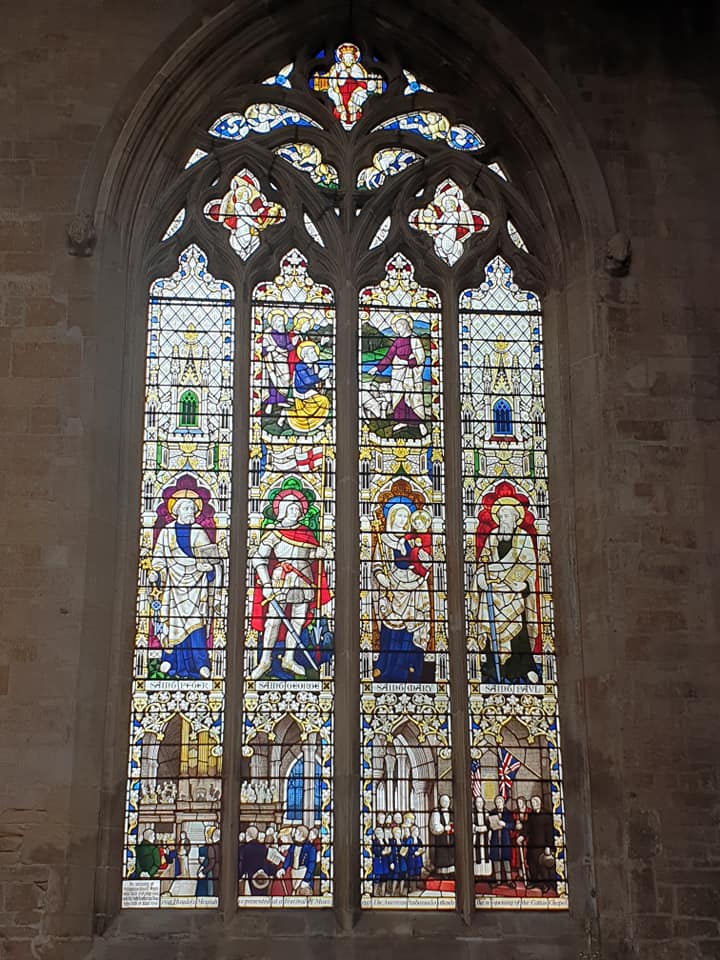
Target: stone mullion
<point x="236" y="606"/>
<point x="465" y="890"/>
<point x="347" y="619"/>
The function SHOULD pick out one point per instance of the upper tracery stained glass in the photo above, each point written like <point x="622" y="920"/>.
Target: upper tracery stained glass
<point x="348" y="84"/>
<point x="312" y="230"/>
<point x="435" y="126"/>
<point x="515" y="236"/>
<point x="449" y="220"/>
<point x="176" y="223"/>
<point x="281" y="78"/>
<point x="308" y="158"/>
<point x="287" y="764"/>
<point x="381" y="233"/>
<point x="259" y="118"/>
<point x="195" y="157"/>
<point x="414" y="85"/>
<point x="245" y="212"/>
<point x="386" y="163"/>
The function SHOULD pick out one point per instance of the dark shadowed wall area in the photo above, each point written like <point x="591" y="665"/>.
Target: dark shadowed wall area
<point x="617" y="109"/>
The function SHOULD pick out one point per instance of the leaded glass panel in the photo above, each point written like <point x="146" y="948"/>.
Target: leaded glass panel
<point x="356" y="170"/>
<point x="286" y="819"/>
<point x="518" y="816"/>
<point x="406" y="785"/>
<point x="172" y="824"/>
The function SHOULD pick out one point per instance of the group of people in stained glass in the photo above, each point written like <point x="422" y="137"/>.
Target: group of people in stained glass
<point x="513" y="848"/>
<point x="190" y="868"/>
<point x="279" y="860"/>
<point x="297" y="385"/>
<point x="403" y="860"/>
<point x="513" y="843"/>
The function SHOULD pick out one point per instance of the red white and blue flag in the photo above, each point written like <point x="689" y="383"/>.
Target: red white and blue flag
<point x="508" y="766"/>
<point x="475" y="778"/>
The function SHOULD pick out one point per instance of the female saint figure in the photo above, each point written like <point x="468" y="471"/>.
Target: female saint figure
<point x="402" y="600"/>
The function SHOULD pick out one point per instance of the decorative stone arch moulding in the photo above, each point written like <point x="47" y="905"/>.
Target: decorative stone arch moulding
<point x="557" y="197"/>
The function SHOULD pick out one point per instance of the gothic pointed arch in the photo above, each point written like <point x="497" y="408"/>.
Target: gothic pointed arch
<point x="283" y="189"/>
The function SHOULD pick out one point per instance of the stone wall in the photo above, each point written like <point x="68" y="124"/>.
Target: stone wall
<point x="642" y="87"/>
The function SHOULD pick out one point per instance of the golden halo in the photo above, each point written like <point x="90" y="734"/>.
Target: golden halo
<point x="302" y="320"/>
<point x="184" y="495"/>
<point x="306" y="343"/>
<point x="507" y="501"/>
<point x="348" y="48"/>
<point x="276" y="313"/>
<point x="398" y="317"/>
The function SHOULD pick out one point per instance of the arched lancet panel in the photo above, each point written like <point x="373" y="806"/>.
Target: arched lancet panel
<point x="518" y="814"/>
<point x="172" y="822"/>
<point x="289" y="639"/>
<point x="404" y="651"/>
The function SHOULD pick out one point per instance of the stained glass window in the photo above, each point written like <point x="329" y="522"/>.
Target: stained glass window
<point x="301" y="207"/>
<point x="309" y="159"/>
<point x="449" y="221"/>
<point x="435" y="126"/>
<point x="386" y="163"/>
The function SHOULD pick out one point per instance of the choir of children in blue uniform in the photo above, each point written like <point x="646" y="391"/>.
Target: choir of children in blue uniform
<point x="397" y="856"/>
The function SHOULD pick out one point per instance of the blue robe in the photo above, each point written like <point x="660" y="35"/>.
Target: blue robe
<point x="307" y="859"/>
<point x="500" y="840"/>
<point x="189" y="657"/>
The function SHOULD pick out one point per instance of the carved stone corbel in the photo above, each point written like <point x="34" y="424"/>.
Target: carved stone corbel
<point x="80" y="235"/>
<point x="618" y="255"/>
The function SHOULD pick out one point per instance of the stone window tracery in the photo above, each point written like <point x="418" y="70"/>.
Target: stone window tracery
<point x="366" y="284"/>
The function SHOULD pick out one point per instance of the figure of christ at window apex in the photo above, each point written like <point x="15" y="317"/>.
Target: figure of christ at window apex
<point x="504" y="601"/>
<point x="348" y="84"/>
<point x="185" y="570"/>
<point x="401" y="568"/>
<point x="291" y="588"/>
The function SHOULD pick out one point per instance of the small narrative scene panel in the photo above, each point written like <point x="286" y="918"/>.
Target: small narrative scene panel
<point x="517" y="813"/>
<point x="174" y="789"/>
<point x="285" y="841"/>
<point x="407" y="825"/>
<point x="407" y="818"/>
<point x="512" y="682"/>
